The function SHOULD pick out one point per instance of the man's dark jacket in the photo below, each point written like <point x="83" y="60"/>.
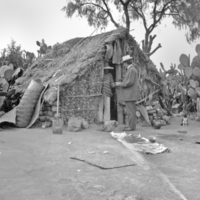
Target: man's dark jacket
<point x="129" y="87"/>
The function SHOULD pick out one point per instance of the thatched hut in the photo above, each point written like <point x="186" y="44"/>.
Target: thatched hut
<point x="78" y="65"/>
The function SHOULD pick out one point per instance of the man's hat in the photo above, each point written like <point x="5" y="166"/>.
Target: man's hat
<point x="125" y="58"/>
<point x="108" y="67"/>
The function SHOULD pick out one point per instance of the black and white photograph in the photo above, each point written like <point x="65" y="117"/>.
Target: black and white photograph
<point x="99" y="99"/>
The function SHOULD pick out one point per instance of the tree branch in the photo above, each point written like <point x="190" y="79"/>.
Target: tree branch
<point x="125" y="6"/>
<point x="96" y="5"/>
<point x="151" y="41"/>
<point x="107" y="10"/>
<point x="141" y="15"/>
<point x="160" y="13"/>
<point x="110" y="15"/>
<point x="159" y="46"/>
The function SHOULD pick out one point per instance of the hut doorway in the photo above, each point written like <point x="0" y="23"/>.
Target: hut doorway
<point x="113" y="100"/>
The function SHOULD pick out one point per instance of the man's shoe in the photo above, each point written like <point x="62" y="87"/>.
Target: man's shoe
<point x="129" y="129"/>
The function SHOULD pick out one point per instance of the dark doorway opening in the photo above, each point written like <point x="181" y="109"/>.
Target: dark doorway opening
<point x="113" y="100"/>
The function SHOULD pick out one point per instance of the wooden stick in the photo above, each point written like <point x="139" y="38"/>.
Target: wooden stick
<point x="48" y="59"/>
<point x="82" y="109"/>
<point x="151" y="81"/>
<point x="58" y="91"/>
<point x="82" y="96"/>
<point x="147" y="97"/>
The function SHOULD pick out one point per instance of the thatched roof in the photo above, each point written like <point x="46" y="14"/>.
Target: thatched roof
<point x="69" y="60"/>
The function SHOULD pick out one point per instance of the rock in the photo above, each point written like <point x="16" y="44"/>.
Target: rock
<point x="45" y="112"/>
<point x="166" y="118"/>
<point x="42" y="118"/>
<point x="54" y="108"/>
<point x="50" y="113"/>
<point x="46" y="124"/>
<point x="74" y="124"/>
<point x="47" y="118"/>
<point x="192" y="117"/>
<point x="44" y="107"/>
<point x="84" y="124"/>
<point x="151" y="111"/>
<point x="51" y="119"/>
<point x="149" y="108"/>
<point x="49" y="108"/>
<point x="109" y="126"/>
<point x="54" y="103"/>
<point x="164" y="112"/>
<point x="157" y="124"/>
<point x="197" y="118"/>
<point x="163" y="122"/>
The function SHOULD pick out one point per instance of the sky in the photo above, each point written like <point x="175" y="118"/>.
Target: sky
<point x="27" y="21"/>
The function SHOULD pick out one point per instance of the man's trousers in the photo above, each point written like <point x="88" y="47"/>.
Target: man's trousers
<point x="131" y="112"/>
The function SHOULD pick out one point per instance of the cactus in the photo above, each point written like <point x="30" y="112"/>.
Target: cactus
<point x="181" y="67"/>
<point x="188" y="71"/>
<point x="185" y="77"/>
<point x="184" y="60"/>
<point x="178" y="78"/>
<point x="196" y="72"/>
<point x="194" y="84"/>
<point x="196" y="62"/>
<point x="162" y="66"/>
<point x="197" y="48"/>
<point x="192" y="93"/>
<point x="197" y="90"/>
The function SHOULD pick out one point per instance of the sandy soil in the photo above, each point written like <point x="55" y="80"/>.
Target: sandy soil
<point x="35" y="164"/>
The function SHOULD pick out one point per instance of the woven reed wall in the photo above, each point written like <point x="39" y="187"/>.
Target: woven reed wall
<point x="82" y="97"/>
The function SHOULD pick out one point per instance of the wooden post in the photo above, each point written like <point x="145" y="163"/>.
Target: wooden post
<point x="120" y="115"/>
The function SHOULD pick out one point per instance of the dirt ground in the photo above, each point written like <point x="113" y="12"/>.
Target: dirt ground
<point x="35" y="164"/>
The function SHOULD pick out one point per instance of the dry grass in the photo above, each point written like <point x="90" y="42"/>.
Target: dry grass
<point x="74" y="57"/>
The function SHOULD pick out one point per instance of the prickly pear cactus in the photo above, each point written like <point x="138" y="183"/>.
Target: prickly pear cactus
<point x="192" y="93"/>
<point x="196" y="72"/>
<point x="187" y="74"/>
<point x="197" y="48"/>
<point x="196" y="62"/>
<point x="184" y="60"/>
<point x="181" y="67"/>
<point x="196" y="59"/>
<point x="188" y="71"/>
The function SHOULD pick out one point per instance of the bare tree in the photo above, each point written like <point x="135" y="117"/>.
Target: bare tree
<point x="185" y="14"/>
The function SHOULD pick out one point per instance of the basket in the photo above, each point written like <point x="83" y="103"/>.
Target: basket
<point x="27" y="104"/>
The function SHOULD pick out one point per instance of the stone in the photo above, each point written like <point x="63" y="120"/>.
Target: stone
<point x="54" y="108"/>
<point x="84" y="124"/>
<point x="50" y="113"/>
<point x="74" y="124"/>
<point x="42" y="118"/>
<point x="54" y="103"/>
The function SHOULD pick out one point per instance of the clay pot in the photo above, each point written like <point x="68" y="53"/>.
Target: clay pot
<point x="157" y="124"/>
<point x="152" y="139"/>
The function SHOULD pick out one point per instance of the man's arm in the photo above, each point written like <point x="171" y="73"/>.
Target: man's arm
<point x="128" y="79"/>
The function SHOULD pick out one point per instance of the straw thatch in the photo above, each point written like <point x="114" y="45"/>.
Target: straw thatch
<point x="73" y="58"/>
<point x="68" y="62"/>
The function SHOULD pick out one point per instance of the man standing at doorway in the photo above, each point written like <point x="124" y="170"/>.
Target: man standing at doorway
<point x="129" y="91"/>
<point x="104" y="105"/>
